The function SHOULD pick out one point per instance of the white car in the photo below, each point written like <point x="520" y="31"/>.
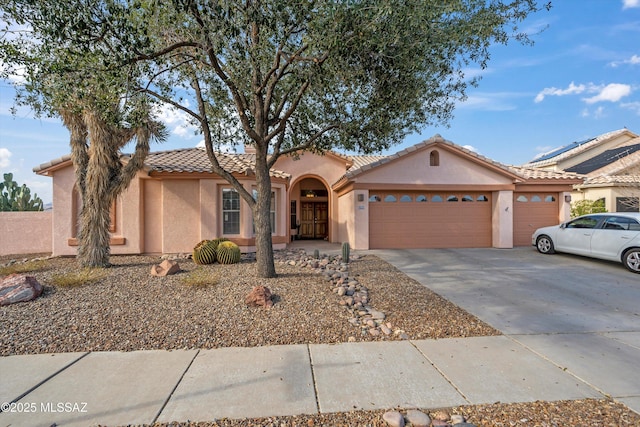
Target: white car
<point x="609" y="236"/>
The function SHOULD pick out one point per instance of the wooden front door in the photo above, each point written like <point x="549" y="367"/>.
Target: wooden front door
<point x="314" y="219"/>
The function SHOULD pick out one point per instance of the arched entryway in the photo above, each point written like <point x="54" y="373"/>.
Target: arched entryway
<point x="309" y="199"/>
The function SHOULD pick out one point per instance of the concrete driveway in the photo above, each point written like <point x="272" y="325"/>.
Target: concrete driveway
<point x="581" y="314"/>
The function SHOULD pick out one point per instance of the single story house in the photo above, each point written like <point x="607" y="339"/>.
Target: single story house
<point x="610" y="163"/>
<point x="435" y="194"/>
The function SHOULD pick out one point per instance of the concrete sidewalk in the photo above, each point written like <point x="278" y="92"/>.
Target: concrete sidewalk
<point x="112" y="388"/>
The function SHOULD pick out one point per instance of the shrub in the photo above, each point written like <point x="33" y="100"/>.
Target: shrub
<point x="78" y="278"/>
<point x="583" y="207"/>
<point x="24" y="267"/>
<point x="200" y="277"/>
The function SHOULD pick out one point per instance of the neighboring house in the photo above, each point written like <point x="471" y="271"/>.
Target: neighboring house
<point x="610" y="163"/>
<point x="435" y="194"/>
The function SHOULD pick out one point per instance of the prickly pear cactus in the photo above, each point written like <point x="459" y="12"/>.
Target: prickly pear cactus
<point x="228" y="253"/>
<point x="16" y="198"/>
<point x="204" y="252"/>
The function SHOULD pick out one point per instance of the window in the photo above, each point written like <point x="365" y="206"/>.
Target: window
<point x="390" y="198"/>
<point x="522" y="199"/>
<point x="482" y="198"/>
<point x="230" y="211"/>
<point x="536" y="199"/>
<point x="549" y="199"/>
<point x="621" y="223"/>
<point x="586" y="222"/>
<point x="467" y="198"/>
<point x="421" y="198"/>
<point x="406" y="198"/>
<point x="436" y="198"/>
<point x="434" y="158"/>
<point x="375" y="198"/>
<point x="626" y="204"/>
<point x="452" y="198"/>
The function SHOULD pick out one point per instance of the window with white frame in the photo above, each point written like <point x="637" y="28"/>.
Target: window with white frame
<point x="230" y="211"/>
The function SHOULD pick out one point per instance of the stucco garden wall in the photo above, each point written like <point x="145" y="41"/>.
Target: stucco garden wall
<point x="25" y="232"/>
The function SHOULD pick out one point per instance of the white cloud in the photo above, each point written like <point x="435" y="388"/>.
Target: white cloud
<point x="633" y="106"/>
<point x="634" y="60"/>
<point x="489" y="102"/>
<point x="612" y="92"/>
<point x="471" y="148"/>
<point x="628" y="4"/>
<point x="177" y="121"/>
<point x="571" y="90"/>
<point x="4" y="158"/>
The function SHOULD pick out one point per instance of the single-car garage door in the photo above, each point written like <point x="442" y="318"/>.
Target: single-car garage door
<point x="532" y="211"/>
<point x="429" y="220"/>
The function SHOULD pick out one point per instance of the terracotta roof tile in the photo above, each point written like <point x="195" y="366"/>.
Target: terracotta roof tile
<point x="533" y="173"/>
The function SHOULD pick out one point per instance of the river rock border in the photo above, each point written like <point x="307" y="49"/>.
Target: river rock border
<point x="353" y="296"/>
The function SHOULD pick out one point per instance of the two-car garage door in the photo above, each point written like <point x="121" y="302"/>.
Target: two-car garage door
<point x="429" y="219"/>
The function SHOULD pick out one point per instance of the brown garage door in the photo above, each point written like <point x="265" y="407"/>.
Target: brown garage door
<point x="532" y="211"/>
<point x="429" y="220"/>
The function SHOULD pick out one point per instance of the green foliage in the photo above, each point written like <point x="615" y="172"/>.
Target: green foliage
<point x="281" y="75"/>
<point x="583" y="207"/>
<point x="17" y="198"/>
<point x="346" y="249"/>
<point x="228" y="253"/>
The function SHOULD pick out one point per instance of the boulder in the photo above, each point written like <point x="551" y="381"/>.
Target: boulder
<point x="18" y="288"/>
<point x="260" y="296"/>
<point x="165" y="268"/>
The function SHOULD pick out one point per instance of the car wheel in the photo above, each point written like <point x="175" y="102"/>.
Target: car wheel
<point x="631" y="260"/>
<point x="545" y="245"/>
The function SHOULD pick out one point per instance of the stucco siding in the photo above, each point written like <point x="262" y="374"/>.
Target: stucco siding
<point x="416" y="169"/>
<point x="152" y="216"/>
<point x="180" y="215"/>
<point x="25" y="232"/>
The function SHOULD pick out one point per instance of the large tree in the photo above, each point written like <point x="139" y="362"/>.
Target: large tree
<point x="285" y="76"/>
<point x="101" y="107"/>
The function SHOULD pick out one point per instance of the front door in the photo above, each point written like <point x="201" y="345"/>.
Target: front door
<point x="314" y="220"/>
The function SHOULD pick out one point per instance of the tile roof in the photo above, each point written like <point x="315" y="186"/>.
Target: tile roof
<point x="611" y="180"/>
<point x="575" y="148"/>
<point x="186" y="160"/>
<point x="533" y="173"/>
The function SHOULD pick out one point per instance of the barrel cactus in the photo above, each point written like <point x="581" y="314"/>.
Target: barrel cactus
<point x="228" y="253"/>
<point x="204" y="252"/>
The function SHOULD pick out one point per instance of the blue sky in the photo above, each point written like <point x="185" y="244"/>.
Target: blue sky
<point x="579" y="80"/>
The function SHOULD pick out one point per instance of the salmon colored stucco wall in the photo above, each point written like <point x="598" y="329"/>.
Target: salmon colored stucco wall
<point x="414" y="168"/>
<point x="25" y="232"/>
<point x="64" y="220"/>
<point x="354" y="219"/>
<point x="180" y="214"/>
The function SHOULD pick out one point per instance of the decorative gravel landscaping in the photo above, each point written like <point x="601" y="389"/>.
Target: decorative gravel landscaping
<point x="315" y="301"/>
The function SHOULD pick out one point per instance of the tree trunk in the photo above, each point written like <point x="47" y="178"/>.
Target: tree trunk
<point x="262" y="219"/>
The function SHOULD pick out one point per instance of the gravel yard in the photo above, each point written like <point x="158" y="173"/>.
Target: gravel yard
<point x="131" y="310"/>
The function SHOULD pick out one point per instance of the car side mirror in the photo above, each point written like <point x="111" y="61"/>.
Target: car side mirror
<point x="563" y="225"/>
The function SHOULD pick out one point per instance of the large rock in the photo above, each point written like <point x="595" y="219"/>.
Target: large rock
<point x="18" y="288"/>
<point x="260" y="296"/>
<point x="165" y="268"/>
